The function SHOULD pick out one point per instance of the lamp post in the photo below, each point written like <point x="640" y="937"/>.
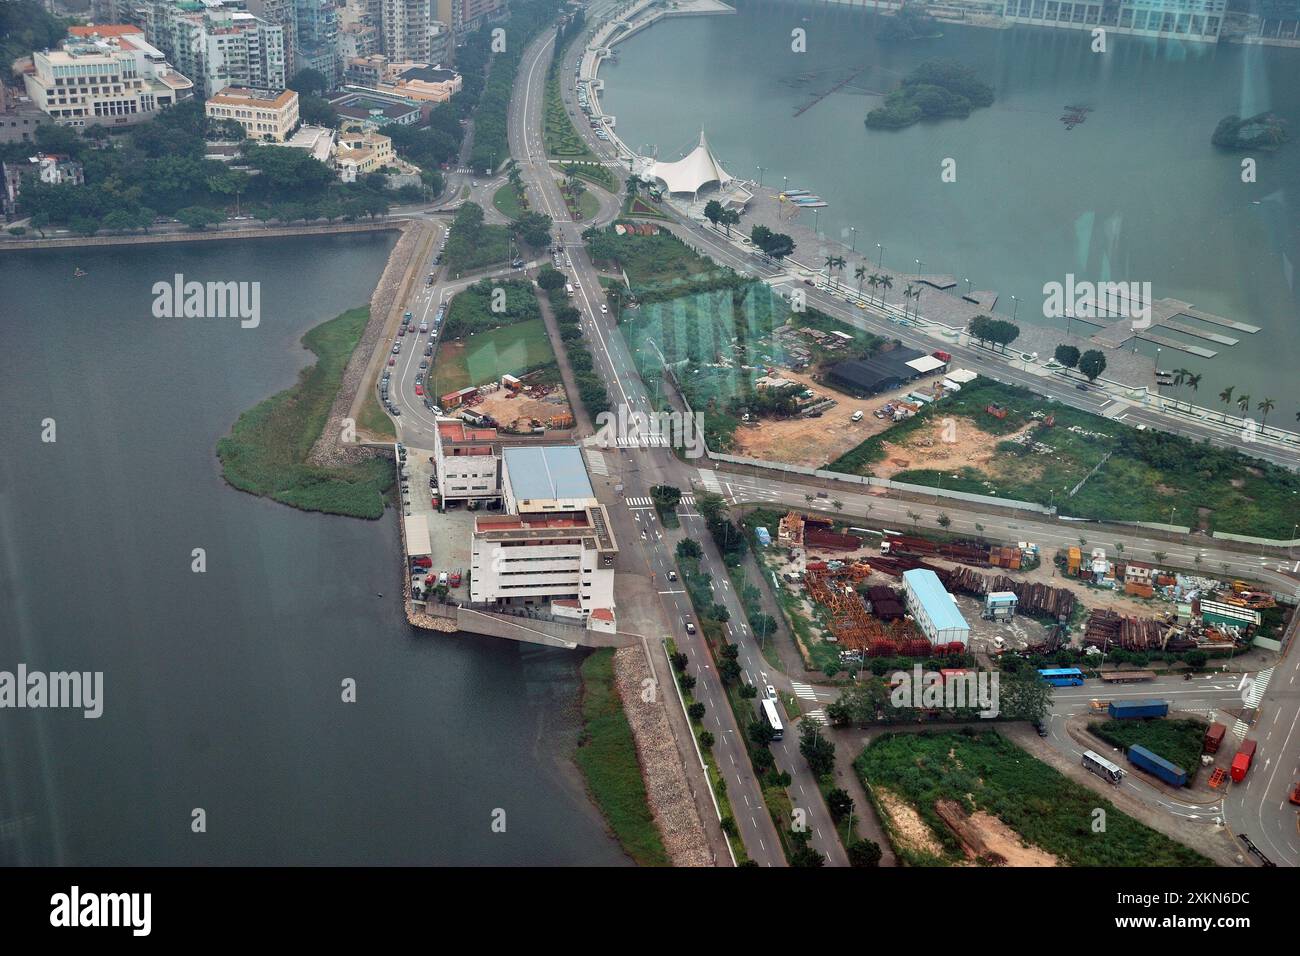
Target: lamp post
<point x="968" y="286"/>
<point x="853" y="234"/>
<point x="760" y="177"/>
<point x="880" y="261"/>
<point x="1015" y="306"/>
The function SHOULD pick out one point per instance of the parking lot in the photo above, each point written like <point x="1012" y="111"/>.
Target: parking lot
<point x="449" y="534"/>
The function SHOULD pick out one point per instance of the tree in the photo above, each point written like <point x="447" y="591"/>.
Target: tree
<point x="1092" y="363"/>
<point x="696" y="711"/>
<point x="839" y="803"/>
<point x="689" y="548"/>
<point x="713" y="212"/>
<point x="943" y="520"/>
<point x="706" y="740"/>
<point x="1266" y="406"/>
<point x="551" y="278"/>
<point x="308" y="81"/>
<point x="1225" y="396"/>
<point x="719" y="612"/>
<point x="864" y="853"/>
<point x="729" y="218"/>
<point x="816" y="749"/>
<point x="1022" y="695"/>
<point x="749" y="692"/>
<point x="760" y="733"/>
<point x="1067" y="355"/>
<point x="665" y="497"/>
<point x="710" y="505"/>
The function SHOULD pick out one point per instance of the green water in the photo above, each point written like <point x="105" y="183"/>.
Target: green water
<point x="1136" y="193"/>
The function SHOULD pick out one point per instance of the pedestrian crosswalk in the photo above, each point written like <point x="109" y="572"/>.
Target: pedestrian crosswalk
<point x="640" y="441"/>
<point x="649" y="503"/>
<point x="596" y="462"/>
<point x="1253" y="691"/>
<point x="818" y="717"/>
<point x="803" y="691"/>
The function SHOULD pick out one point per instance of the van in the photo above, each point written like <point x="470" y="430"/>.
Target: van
<point x="857" y="416"/>
<point x="568" y="289"/>
<point x="442" y="579"/>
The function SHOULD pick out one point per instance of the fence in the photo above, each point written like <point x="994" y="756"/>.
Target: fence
<point x="1247" y="539"/>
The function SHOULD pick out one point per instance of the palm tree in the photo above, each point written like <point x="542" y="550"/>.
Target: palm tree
<point x="830" y="269"/>
<point x="1243" y="402"/>
<point x="916" y="303"/>
<point x="1180" y="376"/>
<point x="1225" y="396"/>
<point x="907" y="294"/>
<point x="886" y="283"/>
<point x="1193" y="382"/>
<point x="860" y="273"/>
<point x="874" y="281"/>
<point x="1266" y="406"/>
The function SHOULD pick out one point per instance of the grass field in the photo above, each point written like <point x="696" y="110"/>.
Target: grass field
<point x="506" y="201"/>
<point x="659" y="267"/>
<point x="265" y="453"/>
<point x="1178" y="741"/>
<point x="608" y="760"/>
<point x="1148" y="474"/>
<point x="561" y="139"/>
<point x="373" y="419"/>
<point x="487" y="356"/>
<point x="985" y="771"/>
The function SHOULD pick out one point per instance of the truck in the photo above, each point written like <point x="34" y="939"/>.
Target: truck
<point x="568" y="289"/>
<point x="1137" y="709"/>
<point x="1241" y="762"/>
<point x="1214" y="735"/>
<point x="1155" y="764"/>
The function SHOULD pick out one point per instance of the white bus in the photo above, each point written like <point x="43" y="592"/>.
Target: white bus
<point x="568" y="289"/>
<point x="1102" y="767"/>
<point x="772" y="717"/>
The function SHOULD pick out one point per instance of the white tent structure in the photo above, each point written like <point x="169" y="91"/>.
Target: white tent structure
<point x="691" y="173"/>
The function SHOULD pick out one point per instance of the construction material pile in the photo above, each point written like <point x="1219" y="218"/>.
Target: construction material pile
<point x="830" y="584"/>
<point x="1107" y="629"/>
<point x="1032" y="597"/>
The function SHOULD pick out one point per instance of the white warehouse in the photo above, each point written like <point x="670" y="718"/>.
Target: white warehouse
<point x="933" y="608"/>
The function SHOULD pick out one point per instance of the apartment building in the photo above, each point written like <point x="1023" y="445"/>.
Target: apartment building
<point x="283" y="14"/>
<point x="217" y="44"/>
<point x="107" y="75"/>
<point x="1196" y="20"/>
<point x="318" y="31"/>
<point x="463" y="16"/>
<point x="404" y="26"/>
<point x="265" y="114"/>
<point x="553" y="545"/>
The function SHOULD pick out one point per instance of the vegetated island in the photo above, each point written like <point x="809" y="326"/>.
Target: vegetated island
<point x="934" y="90"/>
<point x="1261" y="131"/>
<point x="910" y="23"/>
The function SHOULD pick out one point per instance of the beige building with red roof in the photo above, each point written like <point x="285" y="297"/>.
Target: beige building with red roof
<point x="264" y="114"/>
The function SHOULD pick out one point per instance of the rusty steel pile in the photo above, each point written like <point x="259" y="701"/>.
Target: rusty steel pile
<point x="1107" y="629"/>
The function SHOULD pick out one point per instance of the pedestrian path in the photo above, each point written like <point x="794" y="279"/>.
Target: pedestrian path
<point x="1254" y="692"/>
<point x="596" y="462"/>
<point x="649" y="502"/>
<point x="818" y="717"/>
<point x="803" y="691"/>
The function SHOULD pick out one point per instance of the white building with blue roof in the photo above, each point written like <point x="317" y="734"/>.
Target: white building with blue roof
<point x="933" y="608"/>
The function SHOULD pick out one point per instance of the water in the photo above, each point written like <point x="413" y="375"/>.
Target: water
<point x="1136" y="193"/>
<point x="222" y="689"/>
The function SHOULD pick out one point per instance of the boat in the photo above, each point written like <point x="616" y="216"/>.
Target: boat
<point x="813" y="205"/>
<point x="792" y="193"/>
<point x="807" y="200"/>
<point x="79" y="272"/>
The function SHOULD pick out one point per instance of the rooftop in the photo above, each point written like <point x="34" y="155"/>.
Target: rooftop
<point x="938" y="603"/>
<point x="547" y="472"/>
<point x="246" y="96"/>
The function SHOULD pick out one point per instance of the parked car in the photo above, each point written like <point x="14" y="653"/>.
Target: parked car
<point x="397" y="348"/>
<point x="604" y="309"/>
<point x="424" y="363"/>
<point x="392" y="361"/>
<point x="419" y="390"/>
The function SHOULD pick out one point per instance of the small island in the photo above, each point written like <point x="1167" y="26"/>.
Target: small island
<point x="910" y="23"/>
<point x="1261" y="131"/>
<point x="934" y="90"/>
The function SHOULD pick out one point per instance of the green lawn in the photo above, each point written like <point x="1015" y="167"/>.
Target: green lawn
<point x="506" y="201"/>
<point x="985" y="771"/>
<point x="607" y="757"/>
<point x="487" y="356"/>
<point x="1178" y="741"/>
<point x="266" y="450"/>
<point x="561" y="139"/>
<point x="588" y="206"/>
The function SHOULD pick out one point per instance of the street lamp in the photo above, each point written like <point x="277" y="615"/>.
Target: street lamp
<point x="918" y="268"/>
<point x="880" y="262"/>
<point x="853" y="233"/>
<point x="1015" y="306"/>
<point x="968" y="286"/>
<point x="760" y="177"/>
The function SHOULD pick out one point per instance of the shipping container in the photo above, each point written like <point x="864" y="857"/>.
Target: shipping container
<point x="1214" y="735"/>
<point x="1134" y="709"/>
<point x="1241" y="762"/>
<point x="1152" y="763"/>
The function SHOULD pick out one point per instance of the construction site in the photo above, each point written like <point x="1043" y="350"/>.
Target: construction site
<point x="513" y="405"/>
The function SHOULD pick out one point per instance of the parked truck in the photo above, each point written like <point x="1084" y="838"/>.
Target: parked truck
<point x="1155" y="764"/>
<point x="1214" y="735"/>
<point x="1137" y="709"/>
<point x="1241" y="762"/>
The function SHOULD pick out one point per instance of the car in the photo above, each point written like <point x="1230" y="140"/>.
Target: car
<point x="672" y="575"/>
<point x="771" y="692"/>
<point x="690" y="625"/>
<point x="809" y="282"/>
<point x="397" y="411"/>
<point x="454" y="579"/>
<point x="419" y="390"/>
<point x="1081" y="387"/>
<point x="1041" y="728"/>
<point x="402" y="330"/>
<point x="424" y="326"/>
<point x="397" y="347"/>
<point x="473" y="184"/>
<point x="424" y="363"/>
<point x="419" y="379"/>
<point x="428" y="403"/>
<point x="392" y="361"/>
<point x="604" y="309"/>
<point x="1295" y="794"/>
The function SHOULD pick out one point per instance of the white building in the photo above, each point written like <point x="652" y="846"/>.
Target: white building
<point x="468" y="462"/>
<point x="404" y="26"/>
<point x="1197" y="20"/>
<point x="933" y="609"/>
<point x="553" y="544"/>
<point x="107" y="75"/>
<point x="222" y="46"/>
<point x="264" y="114"/>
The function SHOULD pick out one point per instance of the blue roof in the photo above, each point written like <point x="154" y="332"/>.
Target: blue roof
<point x="938" y="603"/>
<point x="547" y="471"/>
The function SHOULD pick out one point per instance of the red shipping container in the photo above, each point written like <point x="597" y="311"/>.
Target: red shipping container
<point x="1241" y="762"/>
<point x="1213" y="738"/>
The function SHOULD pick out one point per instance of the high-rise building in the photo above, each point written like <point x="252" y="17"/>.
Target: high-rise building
<point x="404" y="25"/>
<point x="284" y="14"/>
<point x="318" y="31"/>
<point x="463" y="16"/>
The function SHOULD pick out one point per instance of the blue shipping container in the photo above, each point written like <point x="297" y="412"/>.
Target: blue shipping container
<point x="1132" y="709"/>
<point x="764" y="537"/>
<point x="1139" y="756"/>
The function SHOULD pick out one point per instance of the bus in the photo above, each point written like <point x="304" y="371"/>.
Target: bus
<point x="772" y="717"/>
<point x="1062" y="676"/>
<point x="1096" y="763"/>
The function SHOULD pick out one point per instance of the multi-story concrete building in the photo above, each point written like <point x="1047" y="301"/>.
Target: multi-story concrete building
<point x="374" y="109"/>
<point x="361" y="152"/>
<point x="553" y="544"/>
<point x="404" y="25"/>
<point x="51" y="169"/>
<point x="107" y="75"/>
<point x="318" y="28"/>
<point x="468" y="463"/>
<point x="19" y="117"/>
<point x="1198" y="20"/>
<point x="462" y="16"/>
<point x="264" y="114"/>
<point x="420" y="82"/>
<point x="217" y="44"/>
<point x="283" y="14"/>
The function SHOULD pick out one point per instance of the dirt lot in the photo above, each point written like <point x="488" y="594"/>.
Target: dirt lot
<point x="505" y="407"/>
<point x="908" y="828"/>
<point x="812" y="442"/>
<point x="927" y="448"/>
